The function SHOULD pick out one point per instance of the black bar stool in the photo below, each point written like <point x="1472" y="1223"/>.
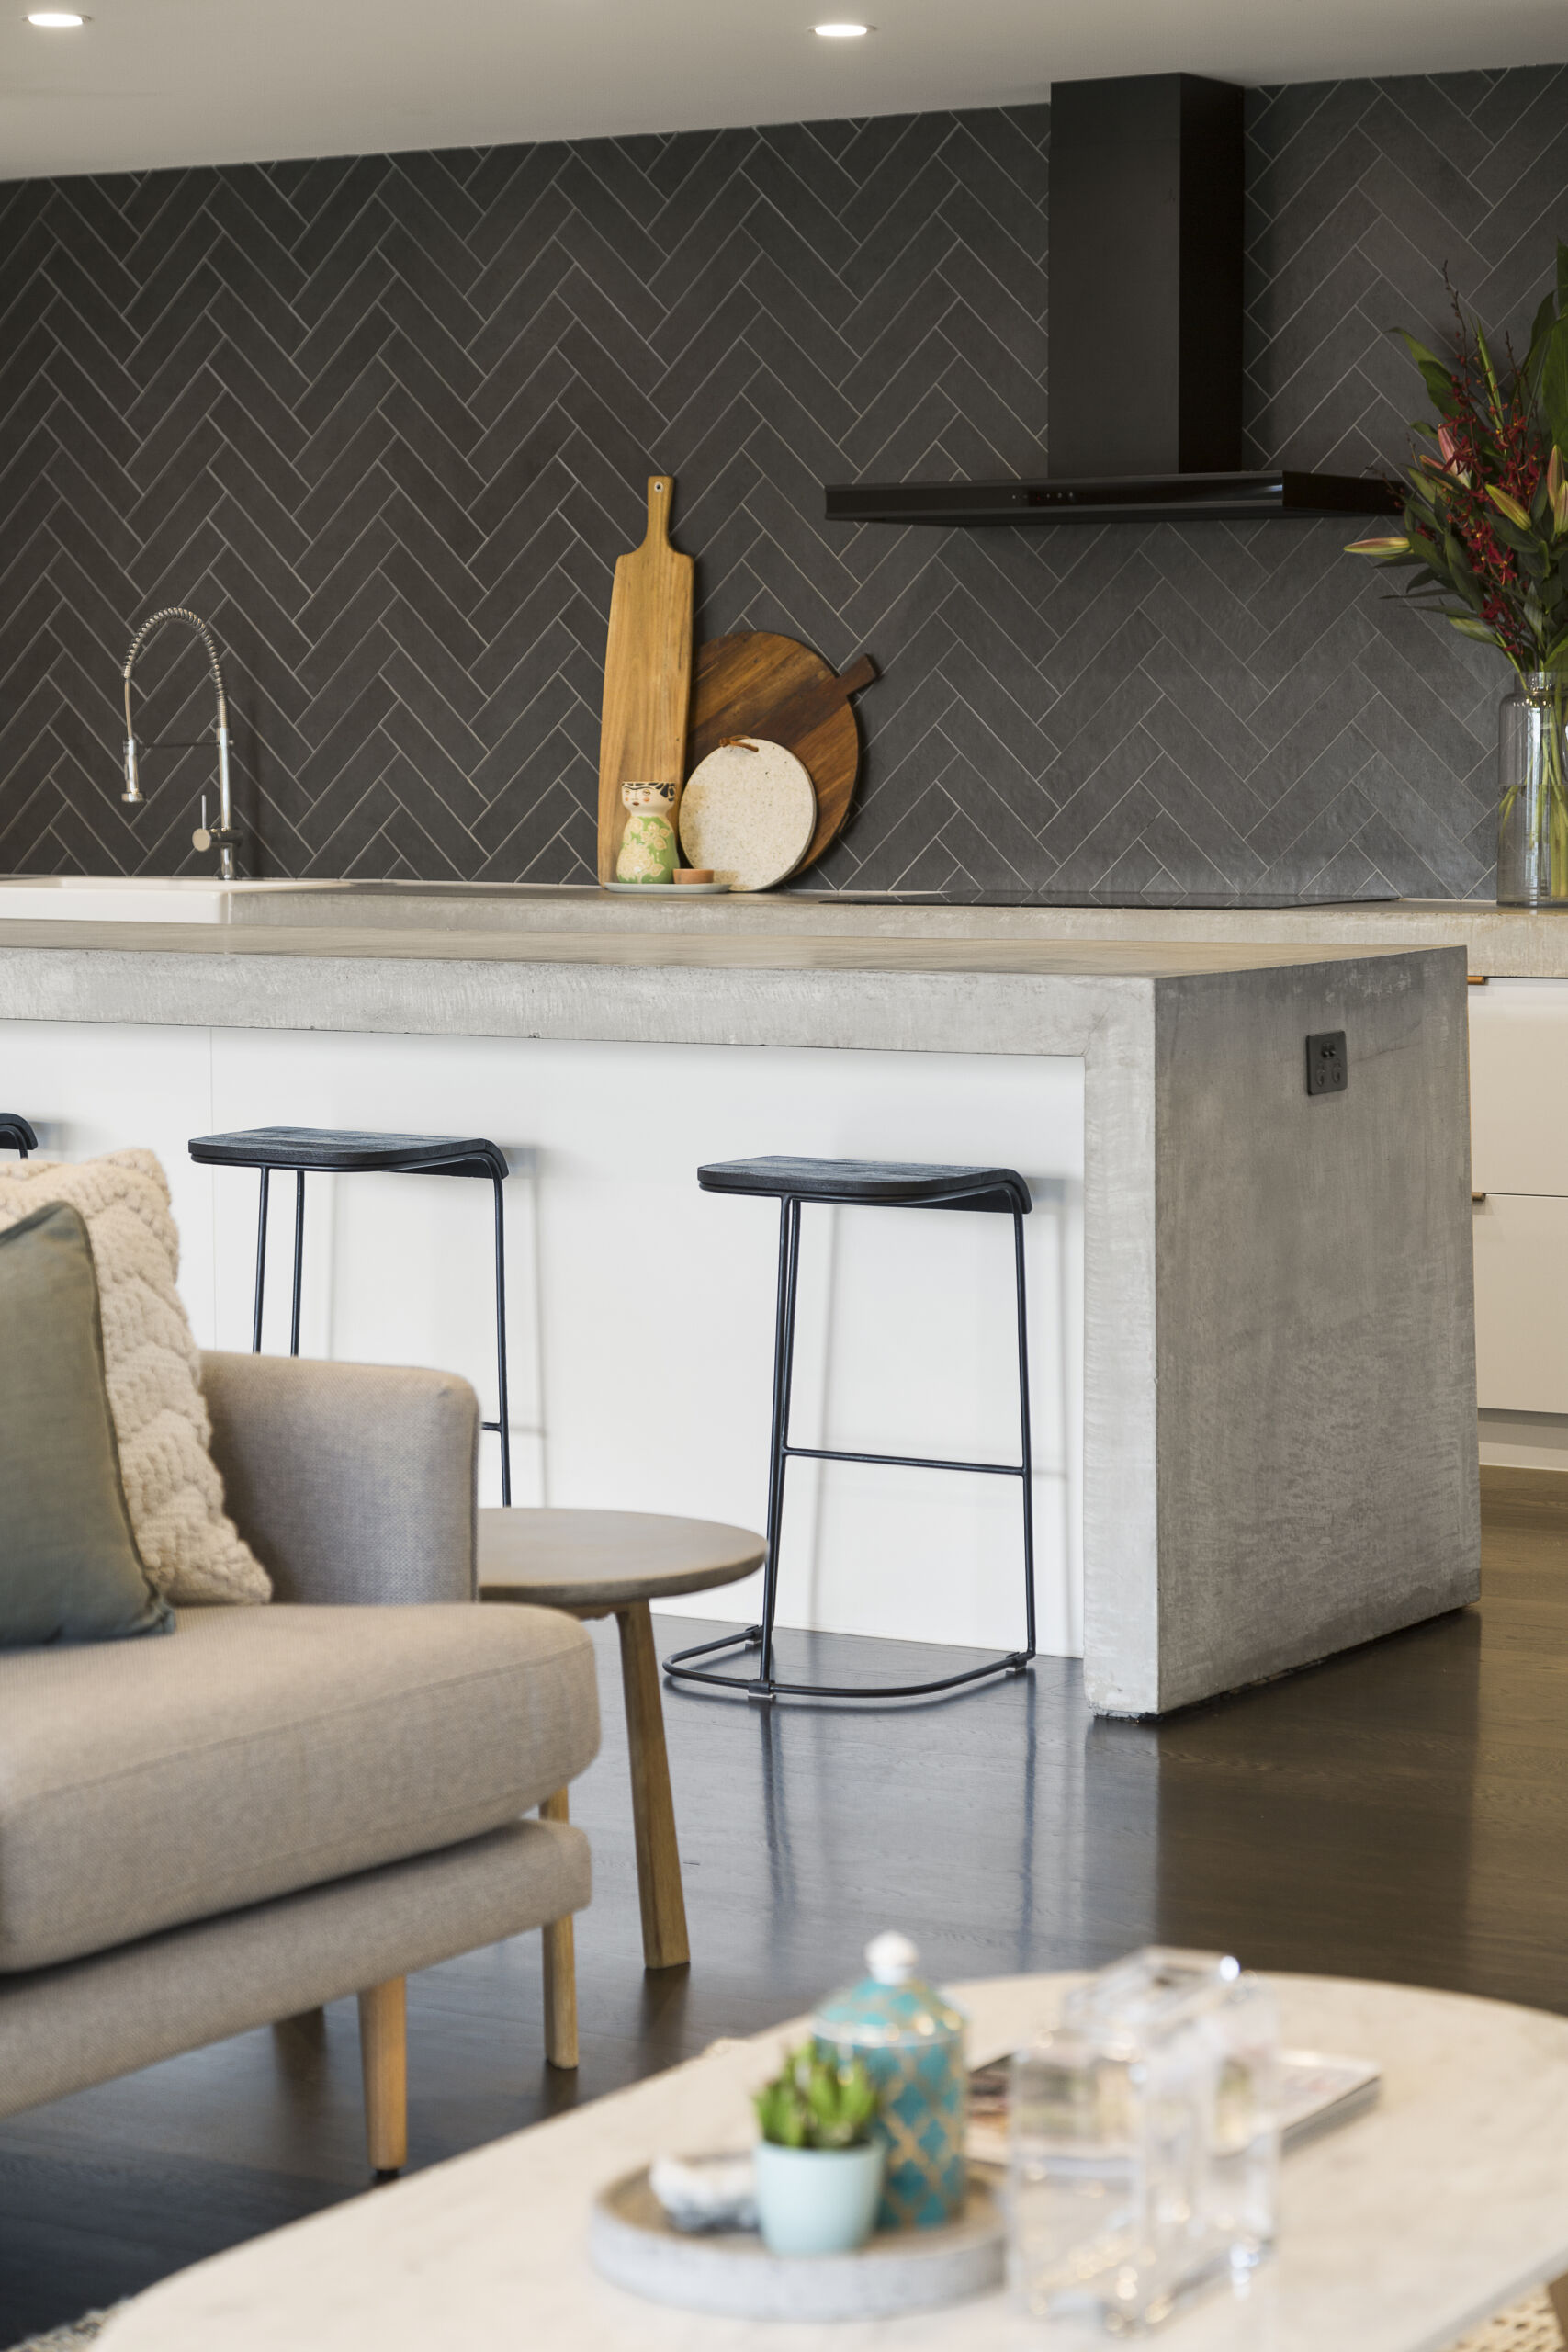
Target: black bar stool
<point x="879" y="1185"/>
<point x="16" y="1134"/>
<point x="333" y="1151"/>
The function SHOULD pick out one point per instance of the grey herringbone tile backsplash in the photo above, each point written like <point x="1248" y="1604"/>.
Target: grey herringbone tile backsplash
<point x="385" y="421"/>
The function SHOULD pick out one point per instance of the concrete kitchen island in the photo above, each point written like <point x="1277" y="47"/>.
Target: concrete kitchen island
<point x="1278" y="1371"/>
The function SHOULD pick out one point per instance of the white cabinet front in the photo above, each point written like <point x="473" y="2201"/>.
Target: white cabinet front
<point x="1519" y="1086"/>
<point x="1518" y="1112"/>
<point x="1521" y="1304"/>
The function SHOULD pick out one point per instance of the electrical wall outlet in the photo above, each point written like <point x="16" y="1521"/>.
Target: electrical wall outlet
<point x="1329" y="1071"/>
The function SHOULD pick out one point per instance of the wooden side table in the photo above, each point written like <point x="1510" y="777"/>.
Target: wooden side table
<point x="613" y="1563"/>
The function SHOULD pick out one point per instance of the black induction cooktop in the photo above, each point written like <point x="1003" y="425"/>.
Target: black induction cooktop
<point x="1233" y="902"/>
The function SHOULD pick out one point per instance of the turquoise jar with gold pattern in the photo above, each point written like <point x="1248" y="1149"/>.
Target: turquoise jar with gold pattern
<point x="912" y="2041"/>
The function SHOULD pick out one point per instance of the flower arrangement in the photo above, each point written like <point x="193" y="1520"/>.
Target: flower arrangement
<point x="1486" y="512"/>
<point x="1486" y="540"/>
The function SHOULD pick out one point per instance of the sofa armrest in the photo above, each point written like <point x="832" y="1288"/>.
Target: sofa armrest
<point x="350" y="1482"/>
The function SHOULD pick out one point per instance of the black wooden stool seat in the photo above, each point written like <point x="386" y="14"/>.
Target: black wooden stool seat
<point x="876" y="1183"/>
<point x="865" y="1183"/>
<point x="343" y="1151"/>
<point x="17" y="1133"/>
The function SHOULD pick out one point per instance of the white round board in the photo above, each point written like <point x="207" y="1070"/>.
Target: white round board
<point x="747" y="813"/>
<point x="631" y="2242"/>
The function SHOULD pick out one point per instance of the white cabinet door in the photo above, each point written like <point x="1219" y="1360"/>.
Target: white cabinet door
<point x="1519" y="1088"/>
<point x="1521" y="1304"/>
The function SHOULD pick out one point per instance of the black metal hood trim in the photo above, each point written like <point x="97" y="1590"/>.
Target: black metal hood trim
<point x="1149" y="498"/>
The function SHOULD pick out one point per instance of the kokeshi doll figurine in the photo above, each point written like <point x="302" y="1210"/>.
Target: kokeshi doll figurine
<point x="647" y="851"/>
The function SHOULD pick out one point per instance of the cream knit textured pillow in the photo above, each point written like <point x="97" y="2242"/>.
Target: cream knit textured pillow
<point x="191" y="1547"/>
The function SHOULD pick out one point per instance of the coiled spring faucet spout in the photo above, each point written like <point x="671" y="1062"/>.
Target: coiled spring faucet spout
<point x="223" y="836"/>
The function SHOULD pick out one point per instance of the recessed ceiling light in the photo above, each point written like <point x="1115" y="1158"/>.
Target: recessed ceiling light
<point x="842" y="33"/>
<point x="56" y="20"/>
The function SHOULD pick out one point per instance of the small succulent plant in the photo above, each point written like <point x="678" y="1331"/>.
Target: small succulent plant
<point x="810" y="2103"/>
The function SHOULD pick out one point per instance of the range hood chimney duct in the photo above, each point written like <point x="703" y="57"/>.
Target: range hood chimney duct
<point x="1147" y="209"/>
<point x="1147" y="200"/>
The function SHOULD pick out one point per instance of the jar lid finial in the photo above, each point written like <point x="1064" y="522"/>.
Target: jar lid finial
<point x="892" y="1957"/>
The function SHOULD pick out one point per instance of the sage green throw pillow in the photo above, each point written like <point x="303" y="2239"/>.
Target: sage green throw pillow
<point x="70" y="1570"/>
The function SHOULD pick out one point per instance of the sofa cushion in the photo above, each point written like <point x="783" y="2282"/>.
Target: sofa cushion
<point x="69" y="1566"/>
<point x="190" y="1547"/>
<point x="263" y="1750"/>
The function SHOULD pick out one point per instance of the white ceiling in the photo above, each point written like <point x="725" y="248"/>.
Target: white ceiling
<point x="161" y="82"/>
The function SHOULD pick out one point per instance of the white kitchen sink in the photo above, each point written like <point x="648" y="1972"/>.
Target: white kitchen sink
<point x="115" y="897"/>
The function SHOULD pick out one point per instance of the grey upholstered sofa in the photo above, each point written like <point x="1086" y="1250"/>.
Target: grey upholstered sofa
<point x="277" y="1807"/>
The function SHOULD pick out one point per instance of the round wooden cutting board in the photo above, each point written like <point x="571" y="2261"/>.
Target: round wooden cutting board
<point x="758" y="684"/>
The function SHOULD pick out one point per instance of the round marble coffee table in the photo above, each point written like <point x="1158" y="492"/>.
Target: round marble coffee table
<point x="613" y="1563"/>
<point x="1398" y="2231"/>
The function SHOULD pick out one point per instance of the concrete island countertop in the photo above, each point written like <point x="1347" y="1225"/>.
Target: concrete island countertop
<point x="796" y="985"/>
<point x="1500" y="941"/>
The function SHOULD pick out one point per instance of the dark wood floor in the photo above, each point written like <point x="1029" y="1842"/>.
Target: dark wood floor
<point x="1401" y="1811"/>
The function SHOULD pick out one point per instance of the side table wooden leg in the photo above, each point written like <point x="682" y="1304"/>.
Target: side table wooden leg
<point x="664" y="1943"/>
<point x="560" y="1969"/>
<point x="383" y="2057"/>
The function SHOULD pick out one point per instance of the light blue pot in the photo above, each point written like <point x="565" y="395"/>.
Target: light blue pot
<point x="816" y="2200"/>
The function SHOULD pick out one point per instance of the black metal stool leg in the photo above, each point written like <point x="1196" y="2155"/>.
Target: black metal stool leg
<point x="298" y="1260"/>
<point x="783" y="1370"/>
<point x="260" y="1265"/>
<point x="1026" y="1451"/>
<point x="502" y="1423"/>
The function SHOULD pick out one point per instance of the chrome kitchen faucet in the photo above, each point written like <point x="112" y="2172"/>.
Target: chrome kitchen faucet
<point x="221" y="836"/>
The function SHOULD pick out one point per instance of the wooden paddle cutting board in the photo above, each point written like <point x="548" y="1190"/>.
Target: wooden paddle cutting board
<point x="758" y="684"/>
<point x="647" y="673"/>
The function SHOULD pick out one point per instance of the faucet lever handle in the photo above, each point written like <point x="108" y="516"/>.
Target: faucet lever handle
<point x="202" y="838"/>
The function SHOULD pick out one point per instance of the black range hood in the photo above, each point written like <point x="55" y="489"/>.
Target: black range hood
<point x="1145" y="227"/>
<point x="1128" y="498"/>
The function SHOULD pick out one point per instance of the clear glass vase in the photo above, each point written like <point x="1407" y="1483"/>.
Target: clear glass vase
<point x="1532" y="777"/>
<point x="1144" y="2142"/>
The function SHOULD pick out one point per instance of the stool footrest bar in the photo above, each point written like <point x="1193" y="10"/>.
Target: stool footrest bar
<point x="905" y="1461"/>
<point x="756" y="1687"/>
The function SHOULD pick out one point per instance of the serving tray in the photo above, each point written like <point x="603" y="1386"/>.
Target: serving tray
<point x="731" y="2272"/>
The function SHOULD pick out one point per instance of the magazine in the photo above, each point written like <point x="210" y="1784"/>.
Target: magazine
<point x="1315" y="2093"/>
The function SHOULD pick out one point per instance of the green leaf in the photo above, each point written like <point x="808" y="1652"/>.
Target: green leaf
<point x="1553" y="391"/>
<point x="1437" y="379"/>
<point x="1545" y="318"/>
<point x="812" y="2104"/>
<point x="1459" y="573"/>
<point x="1491" y="372"/>
<point x="1520" y="542"/>
<point x="1478" y="629"/>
